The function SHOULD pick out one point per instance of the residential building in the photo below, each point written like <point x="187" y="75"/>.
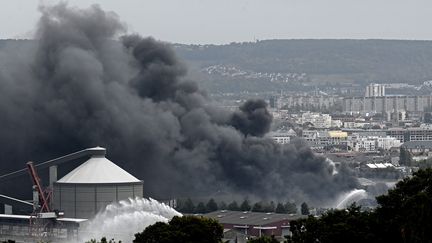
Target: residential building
<point x="387" y="104"/>
<point x="317" y="119"/>
<point x="418" y="147"/>
<point x="282" y="137"/>
<point x="375" y="90"/>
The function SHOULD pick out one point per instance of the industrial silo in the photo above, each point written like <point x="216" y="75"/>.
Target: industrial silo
<point x="93" y="185"/>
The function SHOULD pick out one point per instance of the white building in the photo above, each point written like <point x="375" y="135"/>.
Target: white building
<point x="321" y="139"/>
<point x="336" y="123"/>
<point x="317" y="119"/>
<point x="375" y="90"/>
<point x="283" y="137"/>
<point x="372" y="143"/>
<point x="388" y="142"/>
<point x="364" y="144"/>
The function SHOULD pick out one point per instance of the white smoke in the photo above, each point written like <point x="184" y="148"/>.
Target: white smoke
<point x="333" y="165"/>
<point x="121" y="221"/>
<point x="351" y="197"/>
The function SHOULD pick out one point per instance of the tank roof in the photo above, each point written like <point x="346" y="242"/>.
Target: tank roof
<point x="98" y="170"/>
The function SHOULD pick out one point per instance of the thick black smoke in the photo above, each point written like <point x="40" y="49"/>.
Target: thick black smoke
<point x="253" y="118"/>
<point x="81" y="85"/>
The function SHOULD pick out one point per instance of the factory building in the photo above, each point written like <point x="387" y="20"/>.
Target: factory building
<point x="58" y="211"/>
<point x="93" y="185"/>
<point x="241" y="226"/>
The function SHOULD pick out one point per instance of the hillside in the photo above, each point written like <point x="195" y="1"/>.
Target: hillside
<point x="272" y="64"/>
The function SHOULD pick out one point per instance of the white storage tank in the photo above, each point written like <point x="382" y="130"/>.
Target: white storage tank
<point x="93" y="185"/>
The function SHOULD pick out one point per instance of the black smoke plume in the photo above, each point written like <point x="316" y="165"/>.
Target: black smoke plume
<point x="81" y="84"/>
<point x="253" y="118"/>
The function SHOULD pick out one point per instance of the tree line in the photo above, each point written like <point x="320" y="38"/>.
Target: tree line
<point x="187" y="206"/>
<point x="403" y="215"/>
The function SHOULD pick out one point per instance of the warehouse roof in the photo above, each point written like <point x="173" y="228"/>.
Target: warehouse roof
<point x="249" y="218"/>
<point x="98" y="169"/>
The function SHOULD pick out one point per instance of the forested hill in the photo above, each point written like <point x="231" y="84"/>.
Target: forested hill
<point x="291" y="64"/>
<point x="359" y="61"/>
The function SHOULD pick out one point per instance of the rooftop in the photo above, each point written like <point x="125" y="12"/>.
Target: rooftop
<point x="98" y="169"/>
<point x="249" y="218"/>
<point x="417" y="144"/>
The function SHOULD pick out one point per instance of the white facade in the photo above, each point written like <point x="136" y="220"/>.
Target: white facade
<point x="283" y="137"/>
<point x="375" y="90"/>
<point x="372" y="143"/>
<point x="317" y="119"/>
<point x="355" y="124"/>
<point x="388" y="142"/>
<point x="336" y="123"/>
<point x="365" y="145"/>
<point x="321" y="139"/>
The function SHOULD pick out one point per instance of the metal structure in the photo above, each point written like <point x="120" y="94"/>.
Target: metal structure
<point x="44" y="196"/>
<point x="42" y="218"/>
<point x="86" y="153"/>
<point x="45" y="223"/>
<point x="93" y="185"/>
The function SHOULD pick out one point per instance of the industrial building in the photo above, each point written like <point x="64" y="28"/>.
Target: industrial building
<point x="57" y="211"/>
<point x="239" y="226"/>
<point x="92" y="186"/>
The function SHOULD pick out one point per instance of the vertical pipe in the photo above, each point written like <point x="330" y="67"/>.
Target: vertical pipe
<point x="52" y="175"/>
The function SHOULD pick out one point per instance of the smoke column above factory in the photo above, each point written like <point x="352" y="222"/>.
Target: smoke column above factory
<point x="84" y="82"/>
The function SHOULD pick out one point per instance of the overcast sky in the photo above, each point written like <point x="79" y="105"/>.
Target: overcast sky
<point x="224" y="21"/>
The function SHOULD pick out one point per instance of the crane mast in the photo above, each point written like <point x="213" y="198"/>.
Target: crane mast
<point x="44" y="195"/>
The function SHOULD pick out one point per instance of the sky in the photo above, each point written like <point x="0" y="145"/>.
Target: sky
<point x="225" y="21"/>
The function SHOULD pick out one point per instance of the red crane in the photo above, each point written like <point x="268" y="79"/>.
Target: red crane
<point x="44" y="195"/>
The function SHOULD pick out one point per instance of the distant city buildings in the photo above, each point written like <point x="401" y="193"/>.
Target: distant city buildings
<point x="393" y="108"/>
<point x="387" y="104"/>
<point x="375" y="90"/>
<point x="283" y="137"/>
<point x="318" y="120"/>
<point x="274" y="102"/>
<point x="305" y="102"/>
<point x="423" y="133"/>
<point x="366" y="132"/>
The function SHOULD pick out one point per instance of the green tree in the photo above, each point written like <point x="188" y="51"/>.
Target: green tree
<point x="337" y="226"/>
<point x="269" y="207"/>
<point x="233" y="206"/>
<point x="304" y="209"/>
<point x="280" y="208"/>
<point x="201" y="208"/>
<point x="403" y="215"/>
<point x="187" y="206"/>
<point x="264" y="239"/>
<point x="257" y="207"/>
<point x="211" y="205"/>
<point x="245" y="206"/>
<point x="103" y="240"/>
<point x="222" y="206"/>
<point x="405" y="212"/>
<point x="290" y="208"/>
<point x="188" y="229"/>
<point x="405" y="157"/>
